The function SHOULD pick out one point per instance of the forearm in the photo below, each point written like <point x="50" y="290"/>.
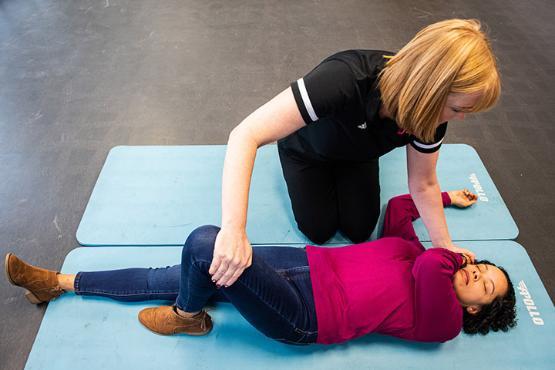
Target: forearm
<point x="272" y="121"/>
<point x="428" y="201"/>
<point x="401" y="212"/>
<point x="238" y="166"/>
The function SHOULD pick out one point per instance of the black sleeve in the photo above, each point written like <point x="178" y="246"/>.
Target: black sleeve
<point x="324" y="90"/>
<point x="434" y="146"/>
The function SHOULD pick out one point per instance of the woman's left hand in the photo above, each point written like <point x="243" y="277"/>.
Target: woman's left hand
<point x="462" y="198"/>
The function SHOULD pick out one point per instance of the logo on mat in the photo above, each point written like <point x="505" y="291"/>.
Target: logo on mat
<point x="478" y="187"/>
<point x="363" y="126"/>
<point x="529" y="303"/>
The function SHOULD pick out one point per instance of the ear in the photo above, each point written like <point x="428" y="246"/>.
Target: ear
<point x="473" y="309"/>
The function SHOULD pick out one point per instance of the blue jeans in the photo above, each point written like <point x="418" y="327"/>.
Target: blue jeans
<point x="274" y="294"/>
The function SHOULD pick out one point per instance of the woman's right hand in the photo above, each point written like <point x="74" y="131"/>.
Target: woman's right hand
<point x="272" y="121"/>
<point x="232" y="255"/>
<point x="469" y="256"/>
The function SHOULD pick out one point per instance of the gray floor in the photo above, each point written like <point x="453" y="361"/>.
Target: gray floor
<point x="79" y="77"/>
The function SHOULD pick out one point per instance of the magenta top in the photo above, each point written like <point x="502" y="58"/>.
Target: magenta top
<point x="391" y="286"/>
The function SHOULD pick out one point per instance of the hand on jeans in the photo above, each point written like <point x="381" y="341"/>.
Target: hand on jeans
<point x="232" y="255"/>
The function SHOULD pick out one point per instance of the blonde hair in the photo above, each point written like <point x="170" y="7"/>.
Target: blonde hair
<point x="451" y="56"/>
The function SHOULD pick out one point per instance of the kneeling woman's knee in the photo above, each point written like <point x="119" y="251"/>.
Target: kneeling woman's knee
<point x="318" y="235"/>
<point x="200" y="243"/>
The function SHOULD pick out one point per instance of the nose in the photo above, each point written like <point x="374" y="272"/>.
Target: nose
<point x="476" y="275"/>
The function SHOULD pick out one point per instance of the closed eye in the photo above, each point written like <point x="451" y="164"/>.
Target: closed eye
<point x="485" y="287"/>
<point x="492" y="283"/>
<point x="461" y="109"/>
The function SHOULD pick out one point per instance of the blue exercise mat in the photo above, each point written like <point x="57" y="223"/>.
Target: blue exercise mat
<point x="98" y="333"/>
<point x="459" y="166"/>
<point x="156" y="195"/>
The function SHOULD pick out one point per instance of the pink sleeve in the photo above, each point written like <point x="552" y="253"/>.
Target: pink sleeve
<point x="437" y="312"/>
<point x="400" y="213"/>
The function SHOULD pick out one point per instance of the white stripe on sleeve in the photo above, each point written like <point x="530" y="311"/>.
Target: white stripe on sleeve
<point x="427" y="146"/>
<point x="306" y="100"/>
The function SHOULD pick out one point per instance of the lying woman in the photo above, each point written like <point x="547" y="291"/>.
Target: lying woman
<point x="391" y="286"/>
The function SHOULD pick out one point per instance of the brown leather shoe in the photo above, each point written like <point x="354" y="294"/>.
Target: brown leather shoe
<point x="41" y="284"/>
<point x="165" y="320"/>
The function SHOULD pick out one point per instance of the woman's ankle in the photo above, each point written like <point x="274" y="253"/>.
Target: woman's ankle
<point x="66" y="282"/>
<point x="185" y="314"/>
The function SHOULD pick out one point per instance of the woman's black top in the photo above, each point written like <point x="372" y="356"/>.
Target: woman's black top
<point x="339" y="101"/>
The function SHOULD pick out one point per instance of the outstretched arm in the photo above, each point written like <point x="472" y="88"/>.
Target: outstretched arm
<point x="400" y="213"/>
<point x="425" y="191"/>
<point x="272" y="121"/>
<point x="319" y="94"/>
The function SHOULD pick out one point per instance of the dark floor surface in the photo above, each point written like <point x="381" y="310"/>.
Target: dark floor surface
<point x="79" y="77"/>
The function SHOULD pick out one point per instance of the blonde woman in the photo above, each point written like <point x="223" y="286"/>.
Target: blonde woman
<point x="333" y="124"/>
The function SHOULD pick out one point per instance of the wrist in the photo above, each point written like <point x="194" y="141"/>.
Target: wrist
<point x="446" y="198"/>
<point x="466" y="259"/>
<point x="443" y="243"/>
<point x="234" y="228"/>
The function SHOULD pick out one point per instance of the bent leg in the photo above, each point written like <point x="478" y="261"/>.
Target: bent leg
<point x="196" y="286"/>
<point x="133" y="284"/>
<point x="312" y="190"/>
<point x="278" y="303"/>
<point x="141" y="284"/>
<point x="358" y="193"/>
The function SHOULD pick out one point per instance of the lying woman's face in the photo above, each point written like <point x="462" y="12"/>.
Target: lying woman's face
<point x="478" y="285"/>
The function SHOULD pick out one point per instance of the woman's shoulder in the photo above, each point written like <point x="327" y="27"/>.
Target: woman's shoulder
<point x="362" y="63"/>
<point x="361" y="57"/>
<point x="362" y="53"/>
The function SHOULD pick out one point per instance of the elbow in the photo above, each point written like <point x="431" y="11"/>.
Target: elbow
<point x="422" y="185"/>
<point x="421" y="188"/>
<point x="396" y="202"/>
<point x="242" y="136"/>
<point x="236" y="133"/>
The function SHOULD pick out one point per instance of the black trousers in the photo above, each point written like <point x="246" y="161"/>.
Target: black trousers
<point x="329" y="196"/>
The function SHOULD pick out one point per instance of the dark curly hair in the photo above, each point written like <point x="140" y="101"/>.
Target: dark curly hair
<point x="498" y="315"/>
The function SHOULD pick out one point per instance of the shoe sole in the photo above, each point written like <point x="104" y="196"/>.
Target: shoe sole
<point x="30" y="296"/>
<point x="169" y="335"/>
